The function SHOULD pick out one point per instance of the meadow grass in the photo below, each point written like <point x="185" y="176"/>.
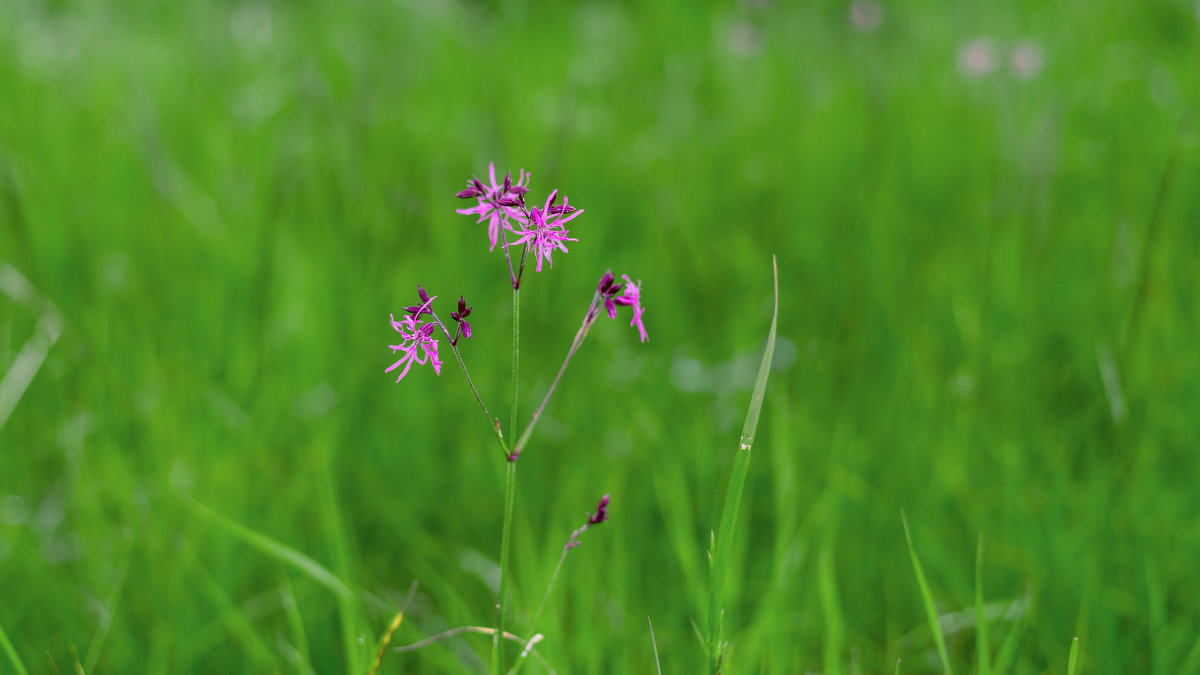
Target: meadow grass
<point x="988" y="319"/>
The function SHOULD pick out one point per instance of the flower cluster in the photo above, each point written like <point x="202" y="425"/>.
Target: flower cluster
<point x="497" y="204"/>
<point x="503" y="207"/>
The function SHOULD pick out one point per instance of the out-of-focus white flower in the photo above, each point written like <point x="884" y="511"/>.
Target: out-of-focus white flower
<point x="866" y="15"/>
<point x="978" y="57"/>
<point x="1025" y="60"/>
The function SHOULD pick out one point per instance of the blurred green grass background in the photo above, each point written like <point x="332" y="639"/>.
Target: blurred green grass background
<point x="988" y="318"/>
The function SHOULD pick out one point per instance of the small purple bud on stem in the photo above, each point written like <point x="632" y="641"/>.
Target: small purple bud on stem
<point x="461" y="317"/>
<point x="417" y="310"/>
<point x="601" y="513"/>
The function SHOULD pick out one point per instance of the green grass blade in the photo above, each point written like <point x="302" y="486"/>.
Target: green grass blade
<point x="724" y="542"/>
<point x="927" y="598"/>
<point x="897" y="667"/>
<point x="296" y="624"/>
<point x="1073" y="660"/>
<point x="282" y="553"/>
<point x="654" y="646"/>
<point x="229" y="621"/>
<point x="984" y="664"/>
<point x="336" y="539"/>
<point x="1008" y="650"/>
<point x="831" y="609"/>
<point x="11" y="652"/>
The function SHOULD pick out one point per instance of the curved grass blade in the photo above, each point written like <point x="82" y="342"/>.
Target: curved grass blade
<point x="280" y="552"/>
<point x="927" y="597"/>
<point x="724" y="541"/>
<point x="295" y="625"/>
<point x="11" y="652"/>
<point x="654" y="645"/>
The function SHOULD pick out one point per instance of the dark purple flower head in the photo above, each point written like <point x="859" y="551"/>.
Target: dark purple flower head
<point x="608" y="289"/>
<point x="545" y="230"/>
<point x="601" y="513"/>
<point x="497" y="204"/>
<point x="564" y="208"/>
<point x="416" y="343"/>
<point x="461" y="316"/>
<point x="417" y="310"/>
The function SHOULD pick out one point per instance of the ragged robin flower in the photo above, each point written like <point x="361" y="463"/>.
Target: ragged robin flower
<point x="497" y="203"/>
<point x="545" y="229"/>
<point x="417" y="345"/>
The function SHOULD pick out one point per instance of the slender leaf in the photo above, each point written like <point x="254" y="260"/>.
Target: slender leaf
<point x="1007" y="655"/>
<point x="336" y="539"/>
<point x="281" y="552"/>
<point x="984" y="664"/>
<point x="927" y="598"/>
<point x="296" y="624"/>
<point x="724" y="541"/>
<point x="11" y="652"/>
<point x="1073" y="660"/>
<point x="654" y="645"/>
<point x="831" y="610"/>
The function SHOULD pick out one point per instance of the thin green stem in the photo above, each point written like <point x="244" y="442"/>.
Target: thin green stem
<point x="492" y="423"/>
<point x="516" y="342"/>
<point x="512" y="276"/>
<point x="571" y="542"/>
<point x="588" y="320"/>
<point x="510" y="488"/>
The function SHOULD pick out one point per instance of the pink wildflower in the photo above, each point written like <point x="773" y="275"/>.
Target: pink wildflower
<point x="633" y="296"/>
<point x="545" y="232"/>
<point x="497" y="203"/>
<point x="416" y="343"/>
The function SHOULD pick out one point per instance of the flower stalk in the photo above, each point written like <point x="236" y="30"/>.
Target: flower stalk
<point x="594" y="519"/>
<point x="539" y="231"/>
